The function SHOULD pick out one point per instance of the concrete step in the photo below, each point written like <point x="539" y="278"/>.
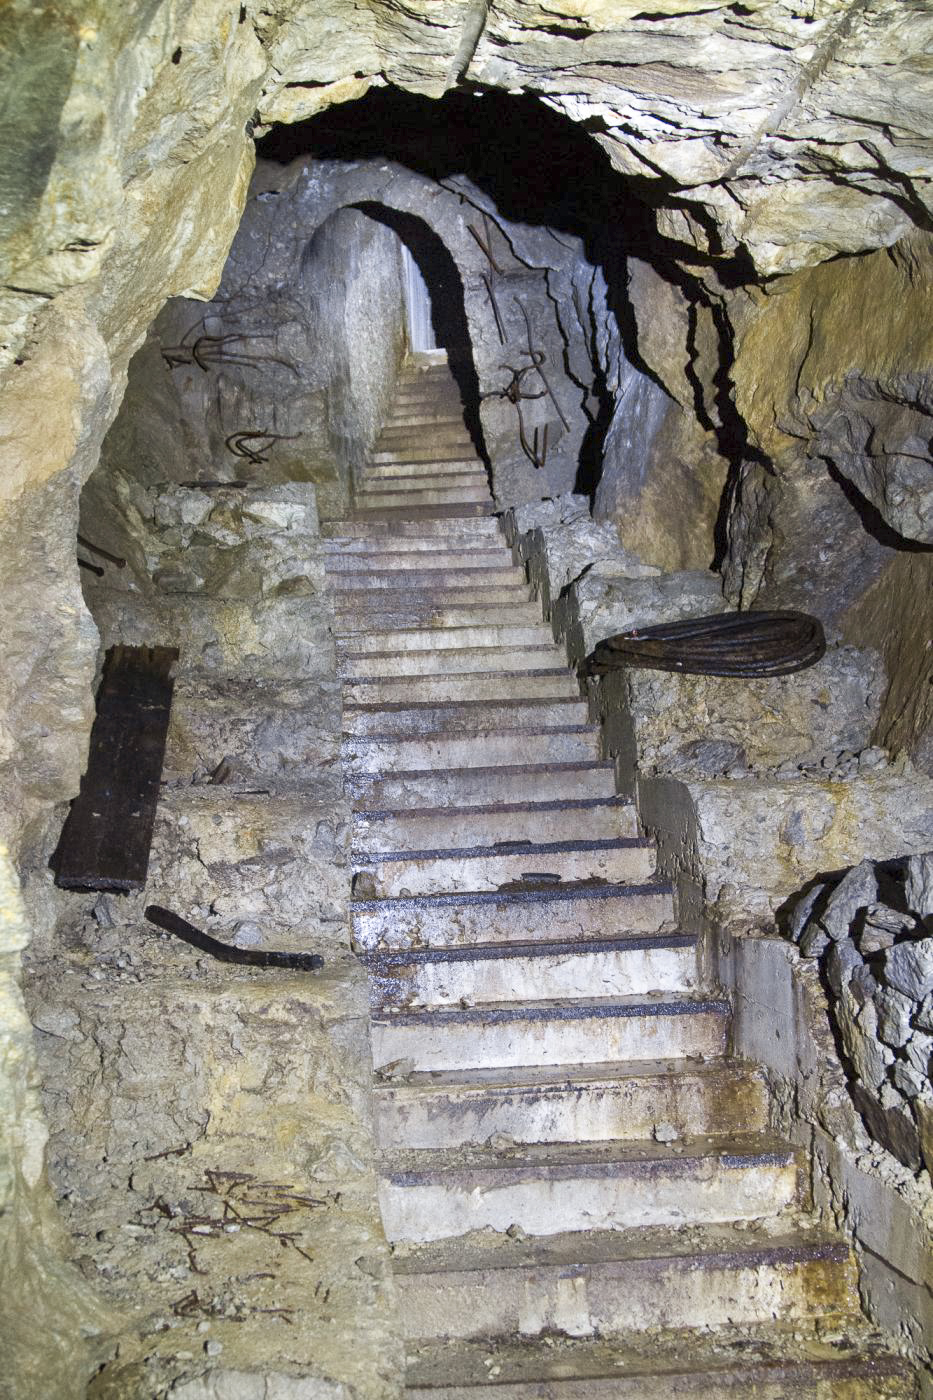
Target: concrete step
<point x="485" y="685"/>
<point x="523" y="914"/>
<point x="433" y="640"/>
<point x="435" y="394"/>
<point x="422" y="514"/>
<point x="464" y="787"/>
<point x="773" y="1362"/>
<point x="393" y="873"/>
<point x="439" y="432"/>
<point x="421" y="612"/>
<point x="428" y="495"/>
<point x="434" y="562"/>
<point x="425" y="411"/>
<point x="447" y="661"/>
<point x="461" y="716"/>
<point x="572" y="1103"/>
<point x="424" y="580"/>
<point x="486" y="823"/>
<point x="585" y="1031"/>
<point x="343" y="535"/>
<point x="354" y="600"/>
<point x="401" y="755"/>
<point x="557" y="1188"/>
<point x="430" y="452"/>
<point x="603" y="1282"/>
<point x="420" y="471"/>
<point x="438" y="479"/>
<point x="529" y="972"/>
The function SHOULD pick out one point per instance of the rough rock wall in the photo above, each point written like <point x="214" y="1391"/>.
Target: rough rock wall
<point x="354" y="281"/>
<point x="293" y="360"/>
<point x="831" y="509"/>
<point x="764" y="137"/>
<point x="210" y="1139"/>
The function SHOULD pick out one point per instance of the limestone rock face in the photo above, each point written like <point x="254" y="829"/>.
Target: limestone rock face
<point x="605" y="601"/>
<point x="794" y="723"/>
<point x="881" y="994"/>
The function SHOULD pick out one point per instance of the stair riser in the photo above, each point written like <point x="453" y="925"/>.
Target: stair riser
<point x="483" y="687"/>
<point x="449" y="431"/>
<point x="481" y="751"/>
<point x="480" y="719"/>
<point x="441" y="452"/>
<point x="341" y="534"/>
<point x="437" y="402"/>
<point x="414" y="476"/>
<point x="536" y="1040"/>
<point x="449" y="661"/>
<point x="632" y="972"/>
<point x="687" y="1193"/>
<point x="603" y="1110"/>
<point x="449" y="639"/>
<point x="455" y="923"/>
<point x="466" y="828"/>
<point x="423" y="496"/>
<point x="490" y="872"/>
<point x="516" y="614"/>
<point x="351" y="602"/>
<point x="408" y="514"/>
<point x="391" y="577"/>
<point x="636" y="1295"/>
<point x="825" y="1380"/>
<point x="374" y="557"/>
<point x="427" y="414"/>
<point x="473" y="787"/>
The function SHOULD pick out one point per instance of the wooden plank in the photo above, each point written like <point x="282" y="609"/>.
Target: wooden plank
<point x="105" y="841"/>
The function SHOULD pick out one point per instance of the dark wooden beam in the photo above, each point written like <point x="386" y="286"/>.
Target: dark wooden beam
<point x="105" y="841"/>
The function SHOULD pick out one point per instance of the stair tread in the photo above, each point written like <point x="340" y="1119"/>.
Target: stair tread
<point x="738" y="1244"/>
<point x="561" y="1009"/>
<point x="399" y="706"/>
<point x="733" y="1356"/>
<point x="532" y="1160"/>
<point x="578" y="804"/>
<point x="509" y="848"/>
<point x="489" y="1079"/>
<point x="579" y="889"/>
<point x="541" y="948"/>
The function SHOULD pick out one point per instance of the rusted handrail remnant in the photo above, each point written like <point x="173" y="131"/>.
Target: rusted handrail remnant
<point x="228" y="952"/>
<point x="206" y="351"/>
<point x="536" y="450"/>
<point x="247" y="444"/>
<point x="747" y="645"/>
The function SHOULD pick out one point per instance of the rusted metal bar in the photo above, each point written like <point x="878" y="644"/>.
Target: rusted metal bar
<point x="485" y="245"/>
<point x="102" y="553"/>
<point x="246" y="444"/>
<point x="225" y="952"/>
<point x="746" y="645"/>
<point x="208" y="350"/>
<point x="538" y="358"/>
<point x="493" y="302"/>
<point x="91" y="568"/>
<point x="216" y="485"/>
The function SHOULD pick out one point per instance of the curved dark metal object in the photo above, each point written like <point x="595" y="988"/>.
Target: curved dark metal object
<point x="742" y="644"/>
<point x="225" y="952"/>
<point x="255" y="445"/>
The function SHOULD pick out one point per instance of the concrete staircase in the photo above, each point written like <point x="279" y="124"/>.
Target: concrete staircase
<point x="581" y="1186"/>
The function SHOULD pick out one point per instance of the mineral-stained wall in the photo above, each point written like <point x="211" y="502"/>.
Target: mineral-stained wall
<point x="761" y="141"/>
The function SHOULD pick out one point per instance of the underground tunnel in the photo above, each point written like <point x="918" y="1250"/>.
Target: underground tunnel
<point x="431" y="970"/>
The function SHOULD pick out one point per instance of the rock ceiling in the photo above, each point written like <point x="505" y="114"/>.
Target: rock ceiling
<point x="784" y="130"/>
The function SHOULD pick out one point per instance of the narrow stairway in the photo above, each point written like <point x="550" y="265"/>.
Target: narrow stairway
<point x="581" y="1186"/>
